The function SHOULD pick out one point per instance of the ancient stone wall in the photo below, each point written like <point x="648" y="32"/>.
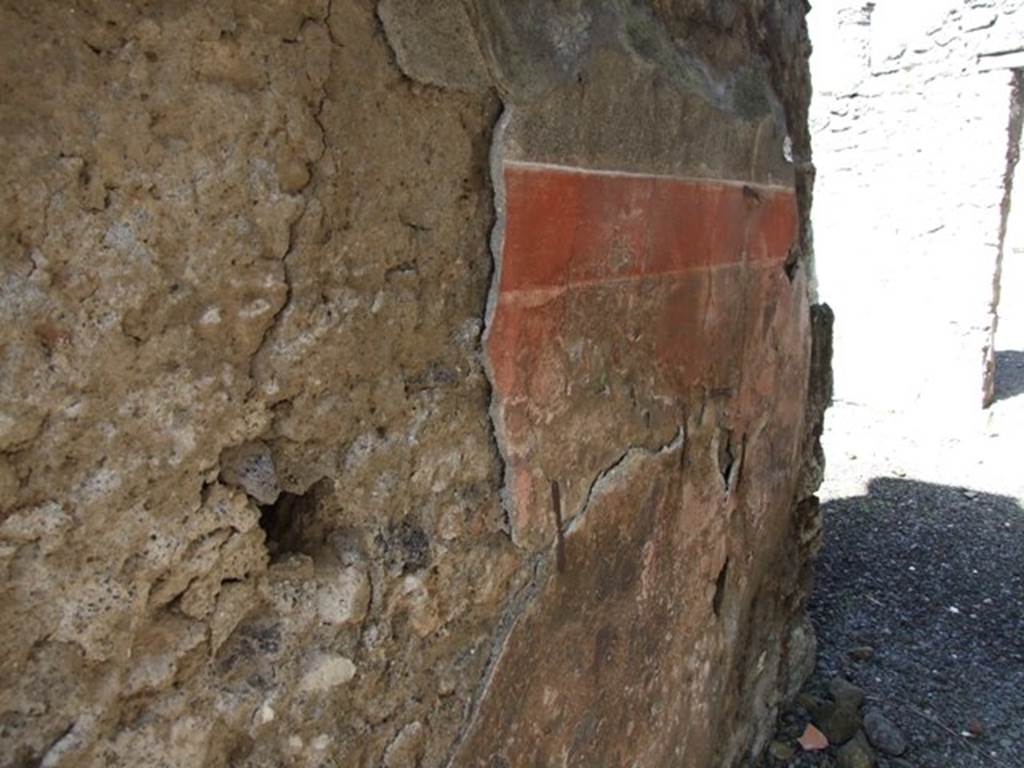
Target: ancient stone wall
<point x="404" y="383"/>
<point x="913" y="134"/>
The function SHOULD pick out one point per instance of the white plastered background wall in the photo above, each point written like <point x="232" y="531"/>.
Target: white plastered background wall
<point x="910" y="128"/>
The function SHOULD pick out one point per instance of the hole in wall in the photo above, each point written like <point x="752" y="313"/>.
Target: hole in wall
<point x="723" y="575"/>
<point x="292" y="523"/>
<point x="791" y="264"/>
<point x="726" y="456"/>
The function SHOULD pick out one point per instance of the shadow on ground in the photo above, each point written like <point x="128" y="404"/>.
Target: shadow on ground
<point x="926" y="584"/>
<point x="1009" y="376"/>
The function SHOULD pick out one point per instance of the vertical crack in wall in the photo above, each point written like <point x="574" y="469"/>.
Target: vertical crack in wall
<point x="1012" y="156"/>
<point x="307" y="192"/>
<point x="538" y="565"/>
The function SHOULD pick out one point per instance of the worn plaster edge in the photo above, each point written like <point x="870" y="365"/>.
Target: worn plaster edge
<point x="497" y="245"/>
<point x="610" y="477"/>
<point x="538" y="563"/>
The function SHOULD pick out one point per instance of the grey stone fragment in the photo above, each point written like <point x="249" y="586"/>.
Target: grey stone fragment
<point x="325" y="671"/>
<point x="781" y="750"/>
<point x="251" y="467"/>
<point x="883" y="733"/>
<point x="838" y="722"/>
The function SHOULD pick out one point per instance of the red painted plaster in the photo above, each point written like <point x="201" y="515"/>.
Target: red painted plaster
<point x="605" y="271"/>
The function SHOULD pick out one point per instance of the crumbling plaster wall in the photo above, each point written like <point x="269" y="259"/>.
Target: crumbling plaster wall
<point x="277" y="429"/>
<point x="911" y="119"/>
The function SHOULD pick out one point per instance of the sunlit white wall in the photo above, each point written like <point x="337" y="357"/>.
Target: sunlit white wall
<point x="909" y="121"/>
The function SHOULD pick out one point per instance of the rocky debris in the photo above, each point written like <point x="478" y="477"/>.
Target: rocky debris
<point x="837" y="721"/>
<point x="856" y="753"/>
<point x="783" y="751"/>
<point x="883" y="734"/>
<point x="834" y="728"/>
<point x="839" y="717"/>
<point x="947" y="682"/>
<point x="846" y="694"/>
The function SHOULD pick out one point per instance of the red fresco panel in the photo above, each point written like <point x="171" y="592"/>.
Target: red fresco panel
<point x="611" y="230"/>
<point x="594" y="264"/>
<point x="696" y="225"/>
<point x="539" y="233"/>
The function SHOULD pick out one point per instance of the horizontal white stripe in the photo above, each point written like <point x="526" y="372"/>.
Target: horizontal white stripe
<point x="553" y="291"/>
<point x="528" y="165"/>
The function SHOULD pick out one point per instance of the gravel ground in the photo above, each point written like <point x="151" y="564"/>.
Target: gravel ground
<point x="923" y="564"/>
<point x="1009" y="374"/>
<point x="931" y="578"/>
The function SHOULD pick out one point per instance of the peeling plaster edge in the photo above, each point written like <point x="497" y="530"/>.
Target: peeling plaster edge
<point x="608" y="476"/>
<point x="497" y="239"/>
<point x="538" y="563"/>
<point x="497" y="245"/>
